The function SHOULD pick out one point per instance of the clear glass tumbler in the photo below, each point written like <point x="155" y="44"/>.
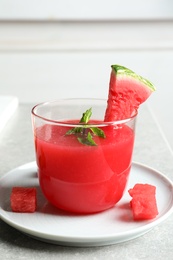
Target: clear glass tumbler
<point x="80" y="170"/>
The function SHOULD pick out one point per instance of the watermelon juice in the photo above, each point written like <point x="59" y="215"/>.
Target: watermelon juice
<point x="82" y="178"/>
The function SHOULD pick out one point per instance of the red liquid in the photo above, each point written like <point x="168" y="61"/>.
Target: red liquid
<point x="80" y="178"/>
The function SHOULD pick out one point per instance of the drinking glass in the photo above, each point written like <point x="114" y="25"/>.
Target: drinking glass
<point x="75" y="175"/>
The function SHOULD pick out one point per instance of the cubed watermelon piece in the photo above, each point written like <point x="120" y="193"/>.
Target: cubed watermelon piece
<point x="23" y="199"/>
<point x="143" y="203"/>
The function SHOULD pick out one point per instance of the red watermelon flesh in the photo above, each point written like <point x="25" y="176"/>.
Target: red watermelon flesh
<point x="127" y="91"/>
<point x="23" y="199"/>
<point x="143" y="201"/>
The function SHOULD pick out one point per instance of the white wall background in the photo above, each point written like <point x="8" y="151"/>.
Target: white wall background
<point x="61" y="48"/>
<point x="85" y="10"/>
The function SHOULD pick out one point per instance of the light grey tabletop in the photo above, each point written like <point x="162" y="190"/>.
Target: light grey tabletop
<point x="16" y="148"/>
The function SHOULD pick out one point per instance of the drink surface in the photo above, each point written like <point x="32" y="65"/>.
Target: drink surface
<point x="81" y="178"/>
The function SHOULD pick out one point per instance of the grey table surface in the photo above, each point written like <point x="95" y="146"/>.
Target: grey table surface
<point x="17" y="148"/>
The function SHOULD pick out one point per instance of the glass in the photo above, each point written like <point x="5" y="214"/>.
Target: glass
<point x="78" y="177"/>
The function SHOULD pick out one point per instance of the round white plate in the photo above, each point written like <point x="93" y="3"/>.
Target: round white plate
<point x="109" y="227"/>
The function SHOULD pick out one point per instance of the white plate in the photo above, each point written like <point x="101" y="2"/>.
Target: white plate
<point x="109" y="227"/>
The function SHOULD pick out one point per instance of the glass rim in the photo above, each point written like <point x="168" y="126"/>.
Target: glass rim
<point x="70" y="124"/>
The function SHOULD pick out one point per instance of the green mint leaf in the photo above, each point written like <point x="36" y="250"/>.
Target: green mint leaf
<point x="86" y="116"/>
<point x="74" y="130"/>
<point x="71" y="131"/>
<point x="83" y="133"/>
<point x="88" y="140"/>
<point x="97" y="131"/>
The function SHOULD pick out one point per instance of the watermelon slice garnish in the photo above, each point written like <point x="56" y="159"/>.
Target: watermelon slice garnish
<point x="127" y="91"/>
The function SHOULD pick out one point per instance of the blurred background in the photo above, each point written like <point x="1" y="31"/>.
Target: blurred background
<point x="51" y="49"/>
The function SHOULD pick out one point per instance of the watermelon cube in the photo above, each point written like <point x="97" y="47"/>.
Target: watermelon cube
<point x="23" y="199"/>
<point x="143" y="201"/>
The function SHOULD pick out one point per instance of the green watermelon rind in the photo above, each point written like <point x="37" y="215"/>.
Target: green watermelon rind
<point x="123" y="71"/>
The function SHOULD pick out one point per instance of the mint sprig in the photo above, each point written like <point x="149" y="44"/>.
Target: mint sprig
<point x="85" y="132"/>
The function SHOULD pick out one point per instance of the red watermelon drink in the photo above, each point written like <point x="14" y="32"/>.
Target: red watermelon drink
<point x="83" y="164"/>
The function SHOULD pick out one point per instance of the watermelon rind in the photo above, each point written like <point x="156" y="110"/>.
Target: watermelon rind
<point x="123" y="71"/>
